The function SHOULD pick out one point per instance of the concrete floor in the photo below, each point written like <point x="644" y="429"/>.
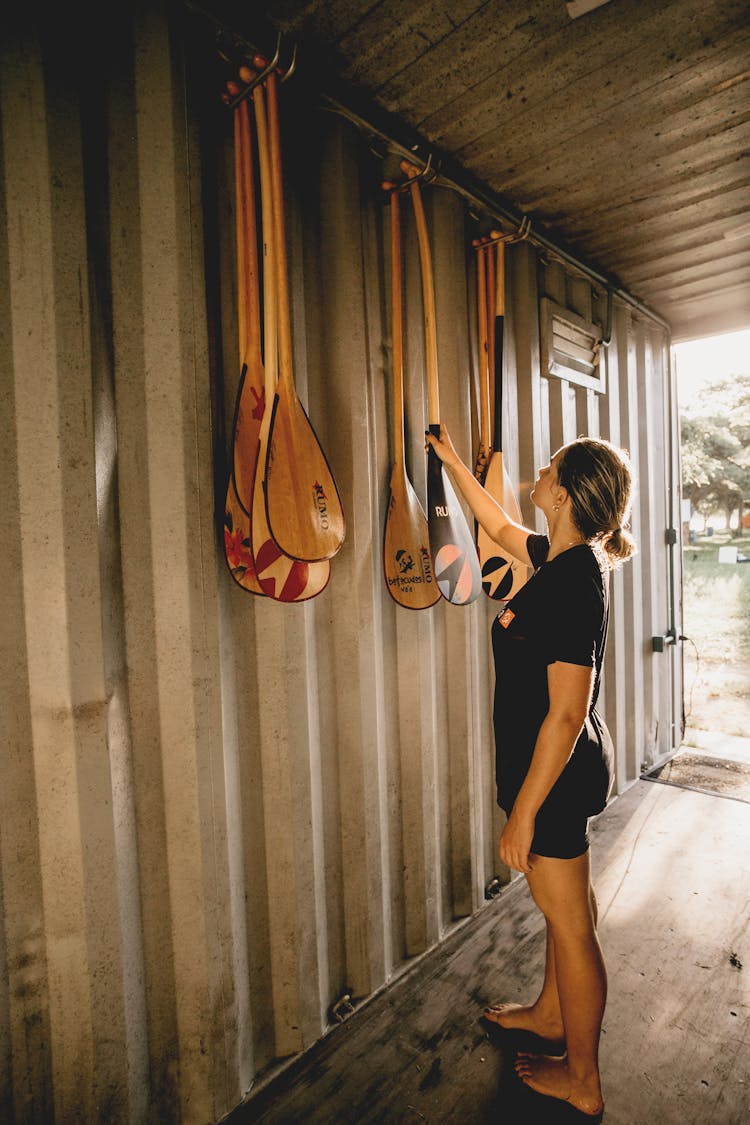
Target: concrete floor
<point x="673" y="880"/>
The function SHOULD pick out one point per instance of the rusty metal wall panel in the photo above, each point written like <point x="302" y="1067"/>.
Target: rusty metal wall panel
<point x="220" y="813"/>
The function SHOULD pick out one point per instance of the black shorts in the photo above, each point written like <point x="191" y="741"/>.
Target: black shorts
<point x="560" y="833"/>
<point x="560" y="830"/>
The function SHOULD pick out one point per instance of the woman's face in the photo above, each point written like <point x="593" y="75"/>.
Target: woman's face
<point x="546" y="485"/>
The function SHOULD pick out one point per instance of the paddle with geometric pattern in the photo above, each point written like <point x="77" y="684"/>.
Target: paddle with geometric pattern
<point x="502" y="574"/>
<point x="454" y="552"/>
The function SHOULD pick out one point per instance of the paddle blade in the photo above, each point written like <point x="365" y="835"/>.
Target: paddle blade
<point x="407" y="562"/>
<point x="237" y="543"/>
<point x="303" y="507"/>
<point x="289" y="580"/>
<point x="454" y="553"/>
<point x="278" y="576"/>
<point x="502" y="574"/>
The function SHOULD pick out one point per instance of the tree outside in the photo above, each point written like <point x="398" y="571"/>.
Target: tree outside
<point x="715" y="440"/>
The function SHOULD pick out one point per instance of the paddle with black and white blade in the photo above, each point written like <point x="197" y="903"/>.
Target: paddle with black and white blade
<point x="452" y="544"/>
<point x="482" y="459"/>
<point x="502" y="574"/>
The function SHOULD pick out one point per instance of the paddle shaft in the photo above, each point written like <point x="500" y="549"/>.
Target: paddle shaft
<point x="284" y="332"/>
<point x="239" y="198"/>
<point x="484" y="373"/>
<point x="499" y="344"/>
<point x="397" y="330"/>
<point x="490" y="261"/>
<point x="270" y="312"/>
<point x="428" y="292"/>
<point x="251" y="343"/>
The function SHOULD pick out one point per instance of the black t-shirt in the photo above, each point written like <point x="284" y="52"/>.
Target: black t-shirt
<point x="561" y="613"/>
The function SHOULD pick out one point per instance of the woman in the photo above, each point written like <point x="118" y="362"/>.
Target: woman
<point x="553" y="752"/>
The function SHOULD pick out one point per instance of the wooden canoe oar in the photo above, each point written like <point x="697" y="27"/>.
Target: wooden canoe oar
<point x="484" y="451"/>
<point x="454" y="553"/>
<point x="502" y="574"/>
<point x="407" y="559"/>
<point x="303" y="506"/>
<point x="280" y="577"/>
<point x="243" y="449"/>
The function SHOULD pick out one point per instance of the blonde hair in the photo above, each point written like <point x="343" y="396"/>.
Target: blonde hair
<point x="598" y="478"/>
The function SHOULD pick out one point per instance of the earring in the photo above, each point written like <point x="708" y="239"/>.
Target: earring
<point x="555" y="507"/>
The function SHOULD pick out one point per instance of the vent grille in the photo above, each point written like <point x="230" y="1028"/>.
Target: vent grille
<point x="570" y="346"/>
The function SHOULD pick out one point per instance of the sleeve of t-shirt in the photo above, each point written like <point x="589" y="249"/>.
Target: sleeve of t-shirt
<point x="575" y="617"/>
<point x="538" y="548"/>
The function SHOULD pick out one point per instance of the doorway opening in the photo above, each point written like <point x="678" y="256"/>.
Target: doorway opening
<point x="713" y="388"/>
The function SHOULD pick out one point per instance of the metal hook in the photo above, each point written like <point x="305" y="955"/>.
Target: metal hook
<point x="260" y="77"/>
<point x="427" y="173"/>
<point x="290" y="69"/>
<point x="520" y="235"/>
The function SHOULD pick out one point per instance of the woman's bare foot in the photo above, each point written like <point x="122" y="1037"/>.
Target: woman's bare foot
<point x="521" y="1017"/>
<point x="552" y="1077"/>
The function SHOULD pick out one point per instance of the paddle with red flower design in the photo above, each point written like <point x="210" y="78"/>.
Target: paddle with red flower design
<point x="249" y="402"/>
<point x="281" y="577"/>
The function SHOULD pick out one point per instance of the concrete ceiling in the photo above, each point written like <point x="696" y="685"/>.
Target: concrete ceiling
<point x="624" y="133"/>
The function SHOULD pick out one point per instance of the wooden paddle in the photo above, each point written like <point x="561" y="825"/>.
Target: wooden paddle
<point x="502" y="574"/>
<point x="303" y="506"/>
<point x="280" y="577"/>
<point x="454" y="553"/>
<point x="485" y="449"/>
<point x="243" y="451"/>
<point x="407" y="561"/>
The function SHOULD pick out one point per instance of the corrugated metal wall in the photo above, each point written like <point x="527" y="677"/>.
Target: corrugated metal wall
<point x="219" y="813"/>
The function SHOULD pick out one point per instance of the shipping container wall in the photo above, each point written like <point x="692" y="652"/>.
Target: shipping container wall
<point x="221" y="814"/>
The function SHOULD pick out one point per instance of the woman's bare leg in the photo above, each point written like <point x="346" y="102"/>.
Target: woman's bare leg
<point x="543" y="1017"/>
<point x="562" y="891"/>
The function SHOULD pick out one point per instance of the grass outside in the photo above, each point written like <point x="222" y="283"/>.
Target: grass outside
<point x="716" y="613"/>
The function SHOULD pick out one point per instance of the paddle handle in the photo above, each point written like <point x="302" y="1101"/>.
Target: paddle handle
<point x="428" y="296"/>
<point x="398" y="329"/>
<point x="284" y="332"/>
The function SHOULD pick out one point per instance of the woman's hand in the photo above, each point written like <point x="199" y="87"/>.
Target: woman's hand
<point x="515" y="842"/>
<point x="443" y="446"/>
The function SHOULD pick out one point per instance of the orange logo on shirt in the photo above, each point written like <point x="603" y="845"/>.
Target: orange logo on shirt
<point x="506" y="617"/>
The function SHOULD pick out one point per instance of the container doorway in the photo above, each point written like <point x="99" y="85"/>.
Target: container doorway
<point x="713" y="382"/>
